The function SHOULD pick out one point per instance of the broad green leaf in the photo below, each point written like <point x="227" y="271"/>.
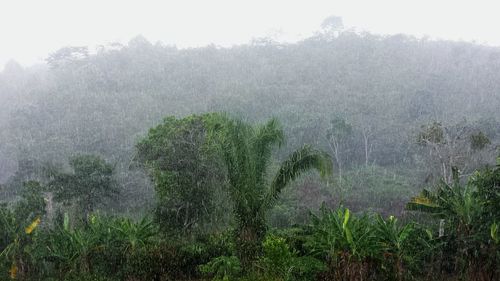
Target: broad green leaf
<point x="346" y="218"/>
<point x="494" y="232"/>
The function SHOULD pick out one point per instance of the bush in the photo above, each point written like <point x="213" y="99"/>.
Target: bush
<point x="222" y="268"/>
<point x="283" y="263"/>
<point x="277" y="260"/>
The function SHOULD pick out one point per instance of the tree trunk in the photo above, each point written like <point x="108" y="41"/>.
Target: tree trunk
<point x="249" y="244"/>
<point x="365" y="136"/>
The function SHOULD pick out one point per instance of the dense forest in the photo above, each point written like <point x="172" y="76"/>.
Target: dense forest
<point x="345" y="156"/>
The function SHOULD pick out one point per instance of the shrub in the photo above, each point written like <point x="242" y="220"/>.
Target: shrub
<point x="281" y="262"/>
<point x="346" y="243"/>
<point x="278" y="259"/>
<point x="222" y="268"/>
<point x="404" y="247"/>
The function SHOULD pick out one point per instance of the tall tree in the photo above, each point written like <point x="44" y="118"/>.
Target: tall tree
<point x="337" y="135"/>
<point x="187" y="175"/>
<point x="88" y="184"/>
<point x="462" y="146"/>
<point x="247" y="153"/>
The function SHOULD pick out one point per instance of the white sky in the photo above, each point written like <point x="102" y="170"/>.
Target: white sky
<point x="30" y="30"/>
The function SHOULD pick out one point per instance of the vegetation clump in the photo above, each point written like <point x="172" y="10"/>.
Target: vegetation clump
<point x="450" y="231"/>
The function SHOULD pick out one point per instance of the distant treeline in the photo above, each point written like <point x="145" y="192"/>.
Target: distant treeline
<point x="394" y="112"/>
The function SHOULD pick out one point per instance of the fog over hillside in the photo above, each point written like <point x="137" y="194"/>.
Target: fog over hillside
<point x="232" y="140"/>
<point x="385" y="87"/>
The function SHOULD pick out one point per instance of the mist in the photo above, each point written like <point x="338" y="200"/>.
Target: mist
<point x="135" y="123"/>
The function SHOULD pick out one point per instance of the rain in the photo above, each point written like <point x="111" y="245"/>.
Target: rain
<point x="234" y="140"/>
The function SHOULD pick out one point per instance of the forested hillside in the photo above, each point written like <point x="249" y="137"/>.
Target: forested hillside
<point x="345" y="156"/>
<point x="373" y="102"/>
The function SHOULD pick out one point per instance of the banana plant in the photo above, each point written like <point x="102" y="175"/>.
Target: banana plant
<point x="348" y="243"/>
<point x="70" y="249"/>
<point x="132" y="235"/>
<point x="456" y="204"/>
<point x="18" y="251"/>
<point x="393" y="239"/>
<point x="467" y="212"/>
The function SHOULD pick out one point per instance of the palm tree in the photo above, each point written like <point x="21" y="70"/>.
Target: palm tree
<point x="247" y="153"/>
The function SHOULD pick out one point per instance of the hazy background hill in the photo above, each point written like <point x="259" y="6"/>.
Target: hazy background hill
<point x="384" y="88"/>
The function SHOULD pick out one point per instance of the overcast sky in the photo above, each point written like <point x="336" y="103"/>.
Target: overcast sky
<point x="30" y="30"/>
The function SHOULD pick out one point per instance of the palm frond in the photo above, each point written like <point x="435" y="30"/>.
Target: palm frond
<point x="266" y="137"/>
<point x="423" y="203"/>
<point x="303" y="159"/>
<point x="231" y="136"/>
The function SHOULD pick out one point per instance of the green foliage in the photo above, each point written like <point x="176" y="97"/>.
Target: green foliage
<point x="277" y="259"/>
<point x="383" y="84"/>
<point x="281" y="262"/>
<point x="384" y="190"/>
<point x="469" y="218"/>
<point x="392" y="235"/>
<point x="84" y="110"/>
<point x="18" y="254"/>
<point x="487" y="183"/>
<point x="403" y="247"/>
<point x="337" y="245"/>
<point x="88" y="185"/>
<point x="300" y="161"/>
<point x="246" y="151"/>
<point x="133" y="235"/>
<point x="346" y="243"/>
<point x="455" y="202"/>
<point x="87" y="277"/>
<point x="32" y="203"/>
<point x="494" y="233"/>
<point x="462" y="146"/>
<point x="479" y="141"/>
<point x="339" y="129"/>
<point x="18" y="229"/>
<point x="336" y="236"/>
<point x="186" y="172"/>
<point x="175" y="260"/>
<point x="7" y="226"/>
<point x="367" y="247"/>
<point x="432" y="133"/>
<point x="222" y="268"/>
<point x="104" y="246"/>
